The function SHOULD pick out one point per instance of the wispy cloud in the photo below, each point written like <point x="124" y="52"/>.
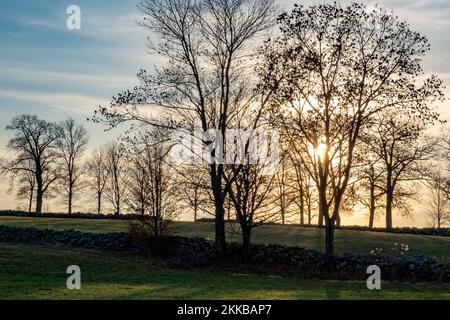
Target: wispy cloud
<point x="62" y="101"/>
<point x="99" y="80"/>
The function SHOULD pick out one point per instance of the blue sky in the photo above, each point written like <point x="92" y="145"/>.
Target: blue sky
<point x="48" y="70"/>
<point x="51" y="71"/>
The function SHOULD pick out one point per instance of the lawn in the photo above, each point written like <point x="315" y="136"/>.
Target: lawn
<point x="33" y="272"/>
<point x="346" y="240"/>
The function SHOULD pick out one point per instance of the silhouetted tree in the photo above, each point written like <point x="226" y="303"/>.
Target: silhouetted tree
<point x="34" y="142"/>
<point x="194" y="181"/>
<point x="71" y="145"/>
<point x="401" y="146"/>
<point x="438" y="205"/>
<point x="99" y="174"/>
<point x="333" y="68"/>
<point x="118" y="174"/>
<point x="207" y="80"/>
<point x="152" y="189"/>
<point x="367" y="189"/>
<point x="24" y="183"/>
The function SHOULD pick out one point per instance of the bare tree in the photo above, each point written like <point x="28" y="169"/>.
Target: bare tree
<point x="118" y="172"/>
<point x="401" y="146"/>
<point x="152" y="191"/>
<point x="194" y="181"/>
<point x="250" y="194"/>
<point x="34" y="142"/>
<point x="367" y="188"/>
<point x="333" y="68"/>
<point x="208" y="46"/>
<point x="99" y="174"/>
<point x="284" y="193"/>
<point x="71" y="145"/>
<point x="27" y="188"/>
<point x="305" y="197"/>
<point x="24" y="183"/>
<point x="438" y="205"/>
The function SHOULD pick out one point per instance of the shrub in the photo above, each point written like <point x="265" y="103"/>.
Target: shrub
<point x="145" y="230"/>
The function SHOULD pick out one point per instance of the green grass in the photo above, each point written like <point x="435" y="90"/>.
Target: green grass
<point x="346" y="240"/>
<point x="32" y="272"/>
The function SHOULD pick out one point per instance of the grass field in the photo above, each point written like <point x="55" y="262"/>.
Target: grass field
<point x="32" y="272"/>
<point x="346" y="240"/>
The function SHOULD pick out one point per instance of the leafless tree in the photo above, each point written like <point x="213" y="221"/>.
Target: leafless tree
<point x="152" y="191"/>
<point x="305" y="197"/>
<point x="208" y="78"/>
<point x="24" y="184"/>
<point x="438" y="205"/>
<point x="402" y="148"/>
<point x="368" y="185"/>
<point x="71" y="145"/>
<point x="194" y="181"/>
<point x="118" y="174"/>
<point x="99" y="174"/>
<point x="250" y="195"/>
<point x="284" y="192"/>
<point x="34" y="142"/>
<point x="333" y="68"/>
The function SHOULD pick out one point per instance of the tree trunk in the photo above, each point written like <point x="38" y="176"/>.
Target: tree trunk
<point x="371" y="217"/>
<point x="389" y="200"/>
<point x="195" y="204"/>
<point x="302" y="210"/>
<point x="156" y="227"/>
<point x="39" y="195"/>
<point x="329" y="244"/>
<point x="372" y="207"/>
<point x="309" y="215"/>
<point x="321" y="217"/>
<point x="99" y="203"/>
<point x="220" y="228"/>
<point x="246" y="236"/>
<point x="69" y="209"/>
<point x="338" y="220"/>
<point x="30" y="202"/>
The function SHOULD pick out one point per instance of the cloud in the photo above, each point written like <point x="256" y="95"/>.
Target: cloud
<point x="65" y="102"/>
<point x="99" y="80"/>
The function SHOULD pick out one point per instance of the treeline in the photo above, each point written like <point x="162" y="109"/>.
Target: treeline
<point x="343" y="86"/>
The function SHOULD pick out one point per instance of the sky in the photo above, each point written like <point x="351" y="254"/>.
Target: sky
<point x="53" y="72"/>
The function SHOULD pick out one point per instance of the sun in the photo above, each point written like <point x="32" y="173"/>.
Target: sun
<point x="321" y="150"/>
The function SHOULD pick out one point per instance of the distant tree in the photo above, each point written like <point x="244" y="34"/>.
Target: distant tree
<point x="99" y="175"/>
<point x="24" y="184"/>
<point x="402" y="147"/>
<point x="71" y="146"/>
<point x="368" y="189"/>
<point x="284" y="192"/>
<point x="194" y="181"/>
<point x="153" y="193"/>
<point x="27" y="188"/>
<point x="118" y="167"/>
<point x="305" y="198"/>
<point x="438" y="205"/>
<point x="250" y="196"/>
<point x="332" y="68"/>
<point x="34" y="142"/>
